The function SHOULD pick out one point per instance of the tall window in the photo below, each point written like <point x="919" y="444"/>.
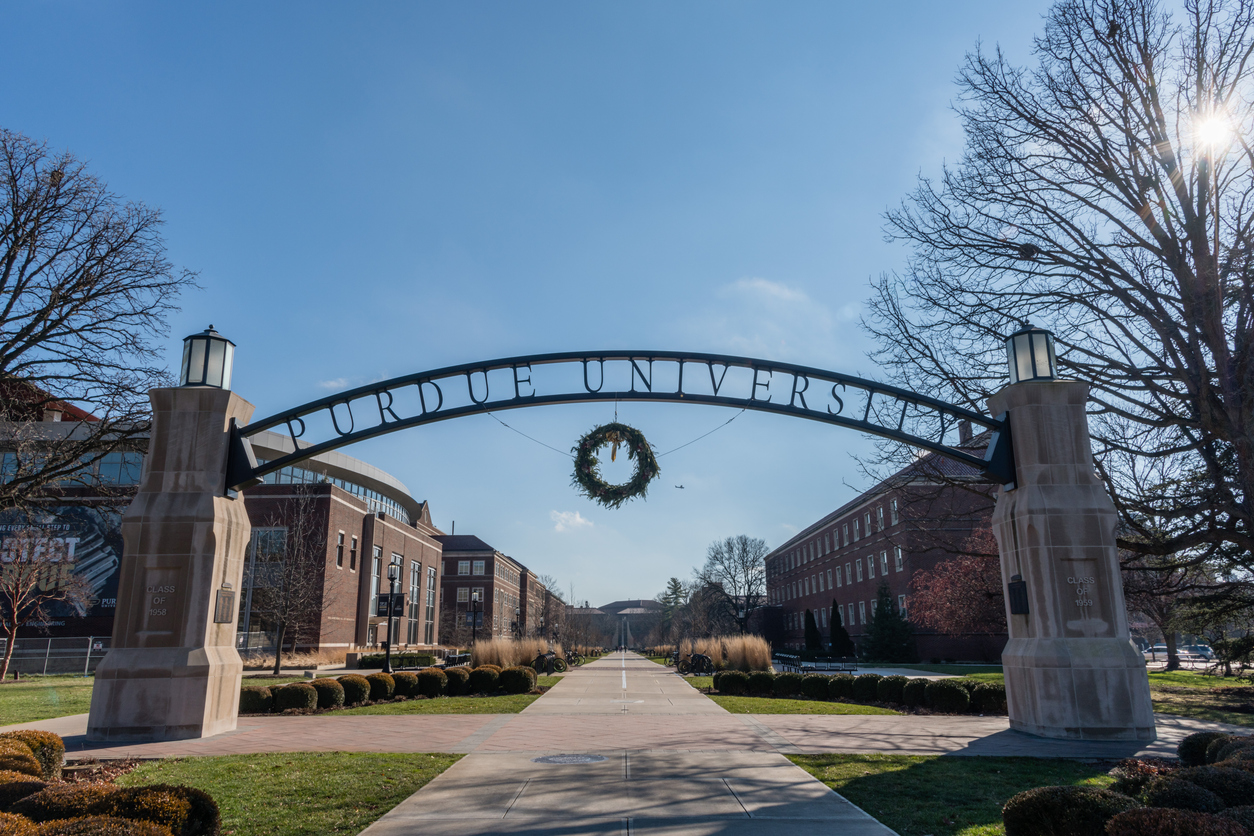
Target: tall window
<point x="478" y="570"/>
<point x="463" y="567"/>
<point x="827" y="543"/>
<point x="463" y="594"/>
<point x="893" y="511"/>
<point x="352" y="556"/>
<point x="820" y="581"/>
<point x="415" y="600"/>
<point x="901" y="604"/>
<point x="428" y="636"/>
<point x="879" y="518"/>
<point x="845" y="533"/>
<point x="898" y="560"/>
<point x="266" y="549"/>
<point x="839" y="580"/>
<point x="884" y="563"/>
<point x="823" y="616"/>
<point x="859" y="565"/>
<point x="840" y="610"/>
<point x="829" y="579"/>
<point x="862" y="611"/>
<point x="339" y="550"/>
<point x="376" y="570"/>
<point x="856" y="536"/>
<point x="806" y="581"/>
<point x="868" y="523"/>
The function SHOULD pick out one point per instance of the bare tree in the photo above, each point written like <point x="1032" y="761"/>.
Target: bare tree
<point x="85" y="287"/>
<point x="1104" y="193"/>
<point x="36" y="572"/>
<point x="289" y="578"/>
<point x="735" y="573"/>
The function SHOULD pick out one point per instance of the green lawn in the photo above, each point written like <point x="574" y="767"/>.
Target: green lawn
<point x="300" y="793"/>
<point x="770" y="705"/>
<point x="1192" y="679"/>
<point x="943" y="796"/>
<point x="504" y="704"/>
<point x="41" y="697"/>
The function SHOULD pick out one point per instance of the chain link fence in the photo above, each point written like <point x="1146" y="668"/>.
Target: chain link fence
<point x="77" y="654"/>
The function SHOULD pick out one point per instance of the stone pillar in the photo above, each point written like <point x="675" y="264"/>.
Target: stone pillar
<point x="1071" y="668"/>
<point x="173" y="671"/>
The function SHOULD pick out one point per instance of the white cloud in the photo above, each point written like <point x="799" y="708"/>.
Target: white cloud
<point x="338" y="383"/>
<point x="765" y="288"/>
<point x="568" y="520"/>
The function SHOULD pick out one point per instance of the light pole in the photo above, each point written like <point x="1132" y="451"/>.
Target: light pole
<point x="517" y="622"/>
<point x="475" y="609"/>
<point x="394" y="572"/>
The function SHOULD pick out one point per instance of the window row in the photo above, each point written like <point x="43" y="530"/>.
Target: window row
<point x="836" y="578"/>
<point x="849" y="617"/>
<point x="375" y="501"/>
<point x="823" y="545"/>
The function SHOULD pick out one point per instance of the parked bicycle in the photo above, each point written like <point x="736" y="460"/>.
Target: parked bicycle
<point x="698" y="664"/>
<point x="573" y="658"/>
<point x="541" y="664"/>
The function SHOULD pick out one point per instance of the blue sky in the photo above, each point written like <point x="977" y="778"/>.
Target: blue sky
<point x="370" y="190"/>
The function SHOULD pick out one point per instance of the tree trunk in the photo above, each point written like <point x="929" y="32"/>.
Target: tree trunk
<point x="1173" y="656"/>
<point x="278" y="648"/>
<point x="11" y="636"/>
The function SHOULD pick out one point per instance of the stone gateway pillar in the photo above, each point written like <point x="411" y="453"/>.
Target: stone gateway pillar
<point x="1071" y="669"/>
<point x="173" y="671"/>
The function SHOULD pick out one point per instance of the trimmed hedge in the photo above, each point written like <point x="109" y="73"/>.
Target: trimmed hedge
<point x="866" y="687"/>
<point x="1212" y="748"/>
<point x="330" y="692"/>
<point x="400" y="660"/>
<point x="382" y="686"/>
<point x="16" y="756"/>
<point x="11" y="825"/>
<point x="1182" y="795"/>
<point x="761" y="683"/>
<point x="64" y="801"/>
<point x="14" y="786"/>
<point x="734" y="683"/>
<point x="48" y="749"/>
<point x="458" y="679"/>
<point x="204" y="819"/>
<point x="483" y="679"/>
<point x="102" y="826"/>
<point x="356" y="688"/>
<point x="296" y="696"/>
<point x="1243" y="815"/>
<point x="788" y="684"/>
<point x="1063" y="811"/>
<point x="1234" y="786"/>
<point x="717" y="680"/>
<point x="431" y="682"/>
<point x="814" y="686"/>
<point x="518" y="679"/>
<point x="406" y="683"/>
<point x="889" y="689"/>
<point x="1153" y="821"/>
<point x="1192" y="750"/>
<point x="947" y="696"/>
<point x="255" y="699"/>
<point x="913" y="693"/>
<point x="151" y="804"/>
<point x="840" y="686"/>
<point x="1232" y="747"/>
<point x="989" y="698"/>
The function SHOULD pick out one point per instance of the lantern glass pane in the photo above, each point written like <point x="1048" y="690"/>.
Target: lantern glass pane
<point x="187" y="350"/>
<point x="227" y="365"/>
<point x="1053" y="359"/>
<point x="1023" y="357"/>
<point x="213" y="375"/>
<point x="196" y="365"/>
<point x="1010" y="359"/>
<point x="1040" y="345"/>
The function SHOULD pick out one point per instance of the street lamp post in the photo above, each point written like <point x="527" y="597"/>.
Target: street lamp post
<point x="394" y="572"/>
<point x="517" y="622"/>
<point x="475" y="609"/>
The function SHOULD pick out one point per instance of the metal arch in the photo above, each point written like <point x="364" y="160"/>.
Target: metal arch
<point x="377" y="405"/>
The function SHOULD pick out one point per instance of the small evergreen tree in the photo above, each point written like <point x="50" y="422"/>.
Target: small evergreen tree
<point x="889" y="635"/>
<point x="842" y="645"/>
<point x="814" y="639"/>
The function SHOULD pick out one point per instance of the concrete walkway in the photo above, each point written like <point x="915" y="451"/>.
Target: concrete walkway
<point x="629" y="734"/>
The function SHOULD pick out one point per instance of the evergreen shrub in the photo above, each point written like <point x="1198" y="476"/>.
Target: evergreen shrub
<point x="947" y="696"/>
<point x="1192" y="750"/>
<point x="1234" y="786"/>
<point x="913" y="693"/>
<point x="814" y="686"/>
<point x="203" y="818"/>
<point x="734" y="683"/>
<point x="1243" y="815"/>
<point x="787" y="684"/>
<point x="382" y="686"/>
<point x="517" y="680"/>
<point x="889" y="689"/>
<point x="1233" y="747"/>
<point x="840" y="686"/>
<point x="330" y="693"/>
<point x="432" y="682"/>
<point x="16" y="756"/>
<point x="866" y="687"/>
<point x="761" y="683"/>
<point x="1063" y="811"/>
<point x="1212" y="748"/>
<point x="297" y="696"/>
<point x="151" y="804"/>
<point x="11" y="825"/>
<point x="483" y="679"/>
<point x="356" y="688"/>
<point x="457" y="679"/>
<point x="717" y="680"/>
<point x="15" y="786"/>
<point x="989" y="698"/>
<point x="48" y="749"/>
<point x="400" y="660"/>
<point x="1154" y="821"/>
<point x="1181" y="795"/>
<point x="255" y="699"/>
<point x="406" y="683"/>
<point x="65" y="801"/>
<point x="102" y="826"/>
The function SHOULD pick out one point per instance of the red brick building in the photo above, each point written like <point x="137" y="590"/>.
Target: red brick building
<point x="905" y="524"/>
<point x="477" y="578"/>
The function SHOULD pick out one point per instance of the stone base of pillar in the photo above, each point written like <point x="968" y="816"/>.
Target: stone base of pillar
<point x="1078" y="689"/>
<point x="166" y="693"/>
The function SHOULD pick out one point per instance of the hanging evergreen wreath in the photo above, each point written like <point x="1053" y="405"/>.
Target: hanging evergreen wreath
<point x="588" y="467"/>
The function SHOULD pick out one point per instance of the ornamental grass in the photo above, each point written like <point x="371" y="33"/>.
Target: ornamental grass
<point x="739" y="653"/>
<point x="507" y="653"/>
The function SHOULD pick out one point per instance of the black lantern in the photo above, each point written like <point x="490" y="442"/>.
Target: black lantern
<point x="1030" y="353"/>
<point x="207" y="360"/>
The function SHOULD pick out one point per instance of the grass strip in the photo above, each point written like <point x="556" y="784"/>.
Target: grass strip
<point x="43" y="697"/>
<point x="942" y="796"/>
<point x="504" y="704"/>
<point x="772" y="705"/>
<point x="298" y="793"/>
